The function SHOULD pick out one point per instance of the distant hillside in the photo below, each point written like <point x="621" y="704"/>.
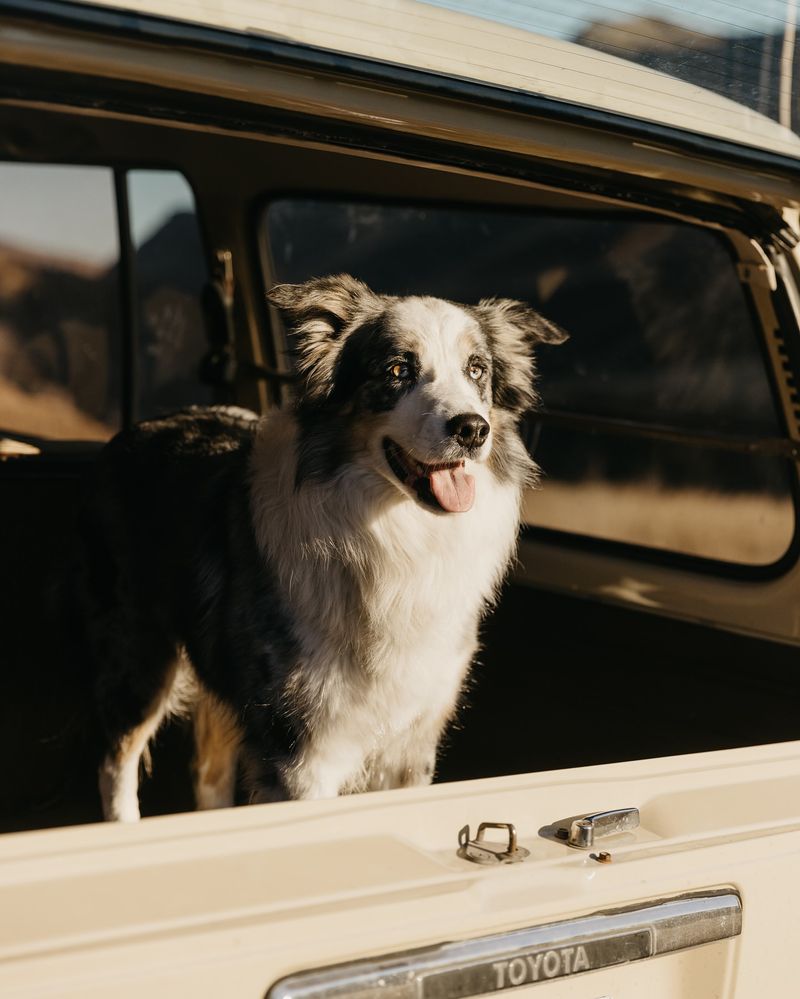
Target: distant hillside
<point x="60" y="362"/>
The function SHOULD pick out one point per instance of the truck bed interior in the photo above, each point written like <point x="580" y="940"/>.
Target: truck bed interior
<point x="561" y="681"/>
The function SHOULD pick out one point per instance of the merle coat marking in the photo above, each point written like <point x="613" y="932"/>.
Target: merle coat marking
<point x="310" y="585"/>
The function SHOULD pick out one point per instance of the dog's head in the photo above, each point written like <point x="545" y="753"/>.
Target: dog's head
<point x="418" y="389"/>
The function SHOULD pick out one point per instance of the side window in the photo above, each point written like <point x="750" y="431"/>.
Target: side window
<point x="64" y="360"/>
<point x="59" y="303"/>
<point x="663" y="353"/>
<point x="170" y="274"/>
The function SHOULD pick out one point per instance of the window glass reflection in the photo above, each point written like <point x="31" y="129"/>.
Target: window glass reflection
<point x="699" y="501"/>
<point x="171" y="273"/>
<point x="59" y="320"/>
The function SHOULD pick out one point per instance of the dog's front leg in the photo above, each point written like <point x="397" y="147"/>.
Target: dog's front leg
<point x="384" y="776"/>
<point x="320" y="769"/>
<point x="408" y="761"/>
<point x="326" y="766"/>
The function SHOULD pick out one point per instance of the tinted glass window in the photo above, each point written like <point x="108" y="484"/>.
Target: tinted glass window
<point x="61" y="357"/>
<point x="678" y="497"/>
<point x="171" y="273"/>
<point x="661" y="334"/>
<point x="59" y="319"/>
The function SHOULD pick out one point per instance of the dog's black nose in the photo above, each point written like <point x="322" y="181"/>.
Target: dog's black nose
<point x="469" y="429"/>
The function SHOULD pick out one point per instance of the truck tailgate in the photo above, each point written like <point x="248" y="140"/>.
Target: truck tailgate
<point x="693" y="902"/>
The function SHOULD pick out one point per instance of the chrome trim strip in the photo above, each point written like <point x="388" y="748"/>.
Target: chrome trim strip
<point x="528" y="956"/>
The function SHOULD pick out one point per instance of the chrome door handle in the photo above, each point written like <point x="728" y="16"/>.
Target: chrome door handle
<point x="585" y="829"/>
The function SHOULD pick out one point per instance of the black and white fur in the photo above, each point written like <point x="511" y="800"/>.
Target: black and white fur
<point x="294" y="581"/>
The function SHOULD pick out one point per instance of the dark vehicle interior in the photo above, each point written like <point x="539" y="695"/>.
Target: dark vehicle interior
<point x="665" y="362"/>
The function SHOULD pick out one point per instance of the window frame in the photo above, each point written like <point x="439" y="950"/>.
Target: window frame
<point x="602" y="546"/>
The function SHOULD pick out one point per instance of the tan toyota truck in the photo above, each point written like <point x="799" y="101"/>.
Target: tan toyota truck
<point x="616" y="812"/>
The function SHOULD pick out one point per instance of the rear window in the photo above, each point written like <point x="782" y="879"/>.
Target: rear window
<point x="664" y="354"/>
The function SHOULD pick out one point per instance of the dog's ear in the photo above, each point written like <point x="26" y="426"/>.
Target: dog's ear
<point x="319" y="313"/>
<point x="514" y="330"/>
<point x="530" y="323"/>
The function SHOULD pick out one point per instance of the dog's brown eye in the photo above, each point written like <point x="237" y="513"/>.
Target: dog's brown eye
<point x="399" y="371"/>
<point x="476" y="371"/>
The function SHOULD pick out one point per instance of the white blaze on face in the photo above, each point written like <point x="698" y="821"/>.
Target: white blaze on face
<point x="443" y="339"/>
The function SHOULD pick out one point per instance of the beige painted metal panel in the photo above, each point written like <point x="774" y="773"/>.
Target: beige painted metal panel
<point x="458" y="45"/>
<point x="262" y="84"/>
<point x="228" y="903"/>
<point x="761" y="608"/>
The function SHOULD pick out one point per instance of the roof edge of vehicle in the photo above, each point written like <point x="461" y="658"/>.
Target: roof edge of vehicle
<point x="461" y="46"/>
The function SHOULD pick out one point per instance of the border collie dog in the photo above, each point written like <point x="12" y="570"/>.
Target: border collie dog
<point x="309" y="585"/>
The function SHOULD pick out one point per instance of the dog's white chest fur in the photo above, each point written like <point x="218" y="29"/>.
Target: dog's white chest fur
<point x="385" y="601"/>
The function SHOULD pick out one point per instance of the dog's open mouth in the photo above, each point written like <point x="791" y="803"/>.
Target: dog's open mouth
<point x="445" y="486"/>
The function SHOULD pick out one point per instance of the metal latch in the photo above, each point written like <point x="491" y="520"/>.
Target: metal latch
<point x="581" y="831"/>
<point x="480" y="852"/>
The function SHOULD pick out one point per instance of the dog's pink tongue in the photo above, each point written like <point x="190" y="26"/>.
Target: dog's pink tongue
<point x="454" y="489"/>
